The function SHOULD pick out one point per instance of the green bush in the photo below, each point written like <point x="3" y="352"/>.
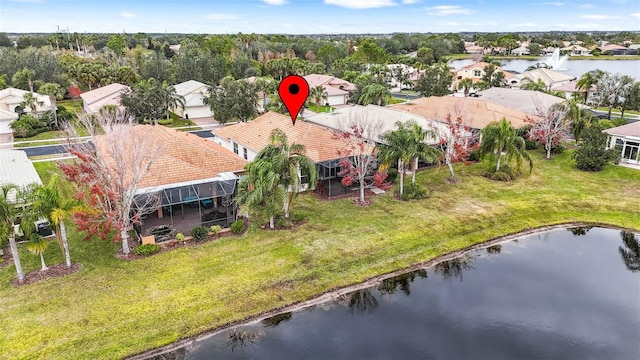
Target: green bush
<point x="147" y="249"/>
<point x="506" y="173"/>
<point x="474" y="155"/>
<point x="299" y="215"/>
<point x="283" y="223"/>
<point x="392" y="175"/>
<point x="199" y="233"/>
<point x="591" y="154"/>
<point x="165" y="121"/>
<point x="237" y="227"/>
<point x="414" y="192"/>
<point x="180" y="237"/>
<point x="557" y="149"/>
<point x="28" y="126"/>
<point x="215" y="229"/>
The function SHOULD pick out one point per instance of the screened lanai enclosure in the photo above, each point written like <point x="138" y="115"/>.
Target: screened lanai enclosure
<point x="181" y="207"/>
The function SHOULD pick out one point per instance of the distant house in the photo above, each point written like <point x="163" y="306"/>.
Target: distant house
<point x="521" y="50"/>
<point x="94" y="100"/>
<point x="571" y="91"/>
<point x="474" y="71"/>
<point x="575" y="50"/>
<point x="473" y="49"/>
<point x="263" y="99"/>
<point x="10" y="109"/>
<point x="336" y="88"/>
<point x="549" y="77"/>
<point x="194" y="93"/>
<point x="627" y="139"/>
<point x="613" y="49"/>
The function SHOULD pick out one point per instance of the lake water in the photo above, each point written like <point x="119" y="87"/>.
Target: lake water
<point x="572" y="67"/>
<point x="550" y="295"/>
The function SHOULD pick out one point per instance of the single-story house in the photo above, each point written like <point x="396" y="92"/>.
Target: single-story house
<point x="571" y="91"/>
<point x="549" y="77"/>
<point x="476" y="112"/>
<point x="194" y="178"/>
<point x="528" y="101"/>
<point x="96" y="99"/>
<point x="613" y="49"/>
<point x="323" y="145"/>
<point x="520" y="50"/>
<point x="337" y="89"/>
<point x="627" y="139"/>
<point x="473" y="49"/>
<point x="194" y="93"/>
<point x="10" y="109"/>
<point x="575" y="50"/>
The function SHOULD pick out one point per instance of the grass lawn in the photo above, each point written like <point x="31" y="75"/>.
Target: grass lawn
<point x="321" y="109"/>
<point x="113" y="308"/>
<point x="74" y="106"/>
<point x="626" y="112"/>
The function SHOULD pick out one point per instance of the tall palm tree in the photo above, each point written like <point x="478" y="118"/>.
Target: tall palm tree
<point x="24" y="77"/>
<point x="422" y="150"/>
<point x="374" y="94"/>
<point x="291" y="163"/>
<point x="466" y="84"/>
<point x="260" y="190"/>
<point x="48" y="202"/>
<point x="30" y="100"/>
<point x="500" y="138"/>
<point x="398" y="145"/>
<point x="630" y="253"/>
<point x="55" y="92"/>
<point x="171" y="97"/>
<point x="318" y="93"/>
<point x="9" y="211"/>
<point x="587" y="80"/>
<point x="611" y="90"/>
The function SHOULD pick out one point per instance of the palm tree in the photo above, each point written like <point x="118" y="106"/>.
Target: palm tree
<point x="3" y="81"/>
<point x="587" y="80"/>
<point x="291" y="163"/>
<point x="318" y="93"/>
<point x="48" y="202"/>
<point x="539" y="85"/>
<point x="611" y="90"/>
<point x="37" y="245"/>
<point x="260" y="190"/>
<point x="466" y="84"/>
<point x="30" y="100"/>
<point x="500" y="138"/>
<point x="630" y="253"/>
<point x="171" y="98"/>
<point x="374" y="94"/>
<point x="55" y="92"/>
<point x="9" y="211"/>
<point x="395" y="146"/>
<point x="422" y="150"/>
<point x="580" y="119"/>
<point x="24" y="77"/>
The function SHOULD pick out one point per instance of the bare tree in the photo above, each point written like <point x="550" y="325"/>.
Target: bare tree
<point x="108" y="172"/>
<point x="551" y="125"/>
<point x="359" y="131"/>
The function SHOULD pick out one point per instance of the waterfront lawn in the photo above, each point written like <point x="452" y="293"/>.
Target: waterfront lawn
<point x="113" y="308"/>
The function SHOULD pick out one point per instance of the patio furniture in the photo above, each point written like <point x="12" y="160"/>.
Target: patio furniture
<point x="161" y="232"/>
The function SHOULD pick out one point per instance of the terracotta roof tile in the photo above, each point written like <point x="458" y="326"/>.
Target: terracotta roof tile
<point x="321" y="143"/>
<point x="184" y="157"/>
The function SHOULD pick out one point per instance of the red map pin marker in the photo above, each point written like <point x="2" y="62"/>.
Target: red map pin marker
<point x="293" y="91"/>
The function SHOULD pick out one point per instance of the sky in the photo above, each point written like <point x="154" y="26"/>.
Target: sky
<point x="316" y="16"/>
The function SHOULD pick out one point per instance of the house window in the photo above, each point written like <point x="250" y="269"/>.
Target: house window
<point x="477" y="73"/>
<point x="235" y="148"/>
<point x="245" y="154"/>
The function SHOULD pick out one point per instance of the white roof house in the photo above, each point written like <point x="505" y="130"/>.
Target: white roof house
<point x="94" y="100"/>
<point x="17" y="169"/>
<point x="527" y="101"/>
<point x="386" y="116"/>
<point x="194" y="93"/>
<point x="10" y="100"/>
<point x="549" y="77"/>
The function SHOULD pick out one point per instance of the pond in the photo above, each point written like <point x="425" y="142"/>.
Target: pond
<point x="568" y="293"/>
<point x="572" y="67"/>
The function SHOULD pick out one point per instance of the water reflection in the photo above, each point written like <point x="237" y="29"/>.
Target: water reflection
<point x="453" y="269"/>
<point x="630" y="253"/>
<point x="277" y="319"/>
<point x="361" y="302"/>
<point x="401" y="282"/>
<point x="580" y="230"/>
<point x="494" y="249"/>
<point x="239" y="338"/>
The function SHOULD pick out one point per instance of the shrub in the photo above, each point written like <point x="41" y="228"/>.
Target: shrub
<point x="147" y="249"/>
<point x="392" y="175"/>
<point x="199" y="233"/>
<point x="415" y="191"/>
<point x="283" y="223"/>
<point x="591" y="154"/>
<point x="299" y="216"/>
<point x="506" y="173"/>
<point x="28" y="126"/>
<point x="474" y="155"/>
<point x="165" y="121"/>
<point x="215" y="229"/>
<point x="237" y="227"/>
<point x="557" y="149"/>
<point x="180" y="237"/>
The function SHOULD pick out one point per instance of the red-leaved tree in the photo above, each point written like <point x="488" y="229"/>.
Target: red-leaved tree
<point x="74" y="91"/>
<point x="358" y="161"/>
<point x="456" y="143"/>
<point x="107" y="172"/>
<point x="551" y="126"/>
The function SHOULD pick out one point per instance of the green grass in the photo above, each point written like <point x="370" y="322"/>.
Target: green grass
<point x="113" y="308"/>
<point x="75" y="106"/>
<point x="605" y="57"/>
<point x="180" y="122"/>
<point x="629" y="112"/>
<point x="321" y="109"/>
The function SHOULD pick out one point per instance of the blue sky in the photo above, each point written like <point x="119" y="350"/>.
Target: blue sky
<point x="316" y="16"/>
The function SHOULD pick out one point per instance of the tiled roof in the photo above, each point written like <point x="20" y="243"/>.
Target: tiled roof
<point x="480" y="64"/>
<point x="316" y="79"/>
<point x="184" y="157"/>
<point x="610" y="47"/>
<point x="631" y="129"/>
<point x="106" y="95"/>
<point x="478" y="113"/>
<point x="12" y="97"/>
<point x="188" y="87"/>
<point x="321" y="143"/>
<point x="332" y="91"/>
<point x="517" y="99"/>
<point x="17" y="169"/>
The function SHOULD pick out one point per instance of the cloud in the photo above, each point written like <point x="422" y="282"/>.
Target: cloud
<point x="274" y="2"/>
<point x="599" y="17"/>
<point x="587" y="6"/>
<point x="28" y="1"/>
<point x="636" y="15"/>
<point x="361" y="4"/>
<point x="221" y="17"/>
<point x="409" y="2"/>
<point x="554" y="3"/>
<point x="127" y="14"/>
<point x="443" y="10"/>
